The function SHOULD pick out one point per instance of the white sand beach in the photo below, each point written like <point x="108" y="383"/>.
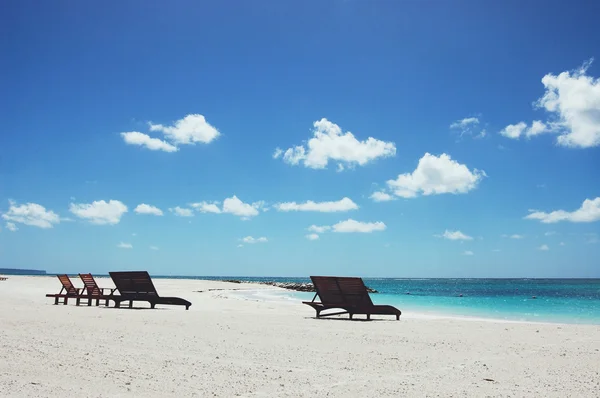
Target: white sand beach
<point x="227" y="345"/>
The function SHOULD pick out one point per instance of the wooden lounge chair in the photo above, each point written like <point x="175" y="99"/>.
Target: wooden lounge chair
<point x="70" y="291"/>
<point x="3" y="278"/>
<point x="92" y="291"/>
<point x="138" y="286"/>
<point x="347" y="294"/>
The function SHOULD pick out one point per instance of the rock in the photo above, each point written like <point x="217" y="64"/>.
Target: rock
<point x="296" y="286"/>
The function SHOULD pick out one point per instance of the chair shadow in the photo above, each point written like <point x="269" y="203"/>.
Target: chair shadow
<point x="349" y="320"/>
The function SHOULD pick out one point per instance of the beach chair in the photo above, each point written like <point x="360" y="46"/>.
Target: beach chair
<point x="92" y="291"/>
<point x="67" y="291"/>
<point x="138" y="286"/>
<point x="348" y="294"/>
<point x="3" y="278"/>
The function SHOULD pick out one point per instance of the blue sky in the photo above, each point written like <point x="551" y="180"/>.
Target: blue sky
<point x="474" y="152"/>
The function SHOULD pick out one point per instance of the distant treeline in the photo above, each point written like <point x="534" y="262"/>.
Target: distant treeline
<point x="14" y="271"/>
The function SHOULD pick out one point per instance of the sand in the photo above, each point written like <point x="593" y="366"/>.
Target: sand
<point x="230" y="345"/>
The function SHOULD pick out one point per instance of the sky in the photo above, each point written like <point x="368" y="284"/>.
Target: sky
<point x="269" y="138"/>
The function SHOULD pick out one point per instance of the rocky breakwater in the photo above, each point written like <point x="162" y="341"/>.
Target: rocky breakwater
<point x="297" y="286"/>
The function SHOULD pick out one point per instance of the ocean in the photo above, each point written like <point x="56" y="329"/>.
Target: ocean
<point x="538" y="300"/>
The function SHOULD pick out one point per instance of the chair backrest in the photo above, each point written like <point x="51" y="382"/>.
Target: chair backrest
<point x="335" y="290"/>
<point x="133" y="283"/>
<point x="67" y="284"/>
<point x="91" y="287"/>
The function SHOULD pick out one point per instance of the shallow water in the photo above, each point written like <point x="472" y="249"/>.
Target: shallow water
<point x="543" y="300"/>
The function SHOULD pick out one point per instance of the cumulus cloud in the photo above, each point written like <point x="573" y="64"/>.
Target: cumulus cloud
<point x="588" y="212"/>
<point x="572" y="101"/>
<point x="436" y="175"/>
<point x="312" y="236"/>
<point x="454" y="235"/>
<point x="232" y="205"/>
<point x="319" y="229"/>
<point x="141" y="139"/>
<point x="544" y="248"/>
<point x="31" y="214"/>
<point x="125" y="245"/>
<point x="207" y="207"/>
<point x="181" y="211"/>
<point x="236" y="207"/>
<point x="189" y="130"/>
<point x="251" y="240"/>
<point x="148" y="209"/>
<point x="11" y="227"/>
<point x="516" y="131"/>
<point x="153" y="248"/>
<point x="351" y="225"/>
<point x="514" y="236"/>
<point x="344" y="204"/>
<point x="99" y="212"/>
<point x="381" y="196"/>
<point x="468" y="253"/>
<point x="330" y="143"/>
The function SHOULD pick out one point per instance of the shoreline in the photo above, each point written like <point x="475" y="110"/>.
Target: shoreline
<point x="412" y="312"/>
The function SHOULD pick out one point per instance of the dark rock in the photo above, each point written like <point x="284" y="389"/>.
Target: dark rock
<point x="296" y="286"/>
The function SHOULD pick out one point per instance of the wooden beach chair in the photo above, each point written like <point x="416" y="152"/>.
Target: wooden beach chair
<point x="67" y="291"/>
<point x="348" y="294"/>
<point x="138" y="286"/>
<point x="92" y="291"/>
<point x="3" y="278"/>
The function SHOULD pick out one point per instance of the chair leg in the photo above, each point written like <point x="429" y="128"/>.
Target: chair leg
<point x="368" y="317"/>
<point x="55" y="300"/>
<point x="130" y="303"/>
<point x="351" y="316"/>
<point x="65" y="302"/>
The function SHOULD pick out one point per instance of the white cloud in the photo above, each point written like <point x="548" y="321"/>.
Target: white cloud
<point x="550" y="233"/>
<point x="251" y="240"/>
<point x="99" y="212"/>
<point x="344" y="204"/>
<point x="181" y="211"/>
<point x="141" y="139"/>
<point x="207" y="207"/>
<point x="454" y="235"/>
<point x="189" y="130"/>
<point x="277" y="153"/>
<point x="516" y="236"/>
<point x="544" y="248"/>
<point x="148" y="209"/>
<point x="466" y="122"/>
<point x="573" y="99"/>
<point x="11" y="227"/>
<point x="329" y="143"/>
<point x="562" y="243"/>
<point x="436" y="175"/>
<point x="236" y="207"/>
<point x="319" y="229"/>
<point x="537" y="128"/>
<point x="468" y="253"/>
<point x="351" y="225"/>
<point x="468" y="126"/>
<point x="31" y="214"/>
<point x="312" y="236"/>
<point x="514" y="131"/>
<point x="588" y="212"/>
<point x="153" y="248"/>
<point x="381" y="196"/>
<point x="125" y="245"/>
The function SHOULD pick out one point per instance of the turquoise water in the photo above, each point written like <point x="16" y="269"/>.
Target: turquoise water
<point x="556" y="300"/>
